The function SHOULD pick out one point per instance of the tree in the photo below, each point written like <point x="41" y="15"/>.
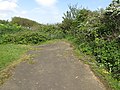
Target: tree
<point x="24" y="22"/>
<point x="68" y="19"/>
<point x="111" y="20"/>
<point x="4" y="21"/>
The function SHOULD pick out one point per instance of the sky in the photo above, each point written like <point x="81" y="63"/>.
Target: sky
<point x="44" y="11"/>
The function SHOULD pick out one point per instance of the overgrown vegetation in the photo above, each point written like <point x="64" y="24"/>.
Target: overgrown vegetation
<point x="15" y="38"/>
<point x="95" y="33"/>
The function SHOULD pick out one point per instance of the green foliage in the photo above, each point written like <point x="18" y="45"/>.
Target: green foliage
<point x="4" y="22"/>
<point x="68" y="19"/>
<point x="9" y="28"/>
<point x="54" y="31"/>
<point x="108" y="53"/>
<point x="111" y="20"/>
<point x="93" y="32"/>
<point x="30" y="24"/>
<point x="27" y="37"/>
<point x="12" y="33"/>
<point x="97" y="33"/>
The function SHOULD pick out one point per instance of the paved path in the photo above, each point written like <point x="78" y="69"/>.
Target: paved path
<point x="54" y="67"/>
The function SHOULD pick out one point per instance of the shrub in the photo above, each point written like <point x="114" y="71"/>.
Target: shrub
<point x="27" y="37"/>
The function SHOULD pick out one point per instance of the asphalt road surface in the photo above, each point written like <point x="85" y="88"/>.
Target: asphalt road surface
<point x="53" y="67"/>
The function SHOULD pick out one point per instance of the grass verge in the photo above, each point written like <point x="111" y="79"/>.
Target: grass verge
<point x="10" y="56"/>
<point x="10" y="53"/>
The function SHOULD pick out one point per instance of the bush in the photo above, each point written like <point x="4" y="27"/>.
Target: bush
<point x="9" y="28"/>
<point x="27" y="37"/>
<point x="108" y="53"/>
<point x="97" y="33"/>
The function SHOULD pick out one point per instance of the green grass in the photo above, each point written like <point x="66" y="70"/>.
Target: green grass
<point x="10" y="52"/>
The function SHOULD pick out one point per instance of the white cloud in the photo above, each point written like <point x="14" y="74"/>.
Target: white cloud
<point x="7" y="8"/>
<point x="10" y="8"/>
<point x="8" y="5"/>
<point x="20" y="14"/>
<point x="3" y="15"/>
<point x="46" y="14"/>
<point x="24" y="12"/>
<point x="47" y="3"/>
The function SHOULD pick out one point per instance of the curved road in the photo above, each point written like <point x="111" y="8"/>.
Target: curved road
<point x="53" y="67"/>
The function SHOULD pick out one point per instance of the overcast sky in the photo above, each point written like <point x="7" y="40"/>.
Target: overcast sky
<point x="44" y="11"/>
